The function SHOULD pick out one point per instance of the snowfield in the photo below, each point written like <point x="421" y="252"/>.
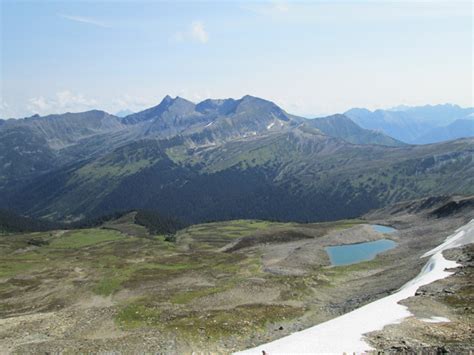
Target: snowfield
<point x="346" y="333"/>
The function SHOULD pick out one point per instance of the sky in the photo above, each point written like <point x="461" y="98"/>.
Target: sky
<point x="310" y="57"/>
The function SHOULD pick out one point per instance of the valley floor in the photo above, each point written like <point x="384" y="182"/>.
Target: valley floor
<point x="221" y="287"/>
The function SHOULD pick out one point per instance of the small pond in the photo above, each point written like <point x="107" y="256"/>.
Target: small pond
<point x="355" y="253"/>
<point x="383" y="229"/>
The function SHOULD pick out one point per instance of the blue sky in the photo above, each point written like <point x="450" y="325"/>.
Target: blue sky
<point x="311" y="58"/>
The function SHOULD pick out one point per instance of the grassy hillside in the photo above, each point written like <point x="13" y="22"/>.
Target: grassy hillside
<point x="343" y="127"/>
<point x="300" y="175"/>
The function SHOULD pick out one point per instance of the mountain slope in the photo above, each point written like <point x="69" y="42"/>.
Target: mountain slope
<point x="36" y="145"/>
<point x="460" y="128"/>
<point x="343" y="127"/>
<point x="65" y="129"/>
<point x="297" y="175"/>
<point x="23" y="154"/>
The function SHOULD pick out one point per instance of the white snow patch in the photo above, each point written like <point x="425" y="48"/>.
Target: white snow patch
<point x="435" y="320"/>
<point x="209" y="124"/>
<point x="271" y="125"/>
<point x="249" y="134"/>
<point x="346" y="333"/>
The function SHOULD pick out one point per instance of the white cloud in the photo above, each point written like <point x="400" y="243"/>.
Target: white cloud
<point x="66" y="98"/>
<point x="196" y="32"/>
<point x="63" y="101"/>
<point x="133" y="103"/>
<point x="3" y="104"/>
<point x="86" y="20"/>
<point x="4" y="109"/>
<point x="38" y="104"/>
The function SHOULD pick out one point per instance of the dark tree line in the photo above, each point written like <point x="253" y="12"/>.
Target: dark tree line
<point x="10" y="222"/>
<point x="157" y="223"/>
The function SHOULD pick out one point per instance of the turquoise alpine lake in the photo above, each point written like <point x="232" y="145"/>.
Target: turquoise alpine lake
<point x="383" y="229"/>
<point x="355" y="253"/>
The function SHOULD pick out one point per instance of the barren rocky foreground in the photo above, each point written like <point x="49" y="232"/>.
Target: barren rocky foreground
<point x="227" y="286"/>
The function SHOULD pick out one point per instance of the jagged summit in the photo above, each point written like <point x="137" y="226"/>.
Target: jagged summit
<point x="176" y="106"/>
<point x="211" y="121"/>
<point x="221" y="106"/>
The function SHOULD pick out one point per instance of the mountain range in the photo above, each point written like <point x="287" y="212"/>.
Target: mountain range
<point x="419" y="124"/>
<point x="218" y="159"/>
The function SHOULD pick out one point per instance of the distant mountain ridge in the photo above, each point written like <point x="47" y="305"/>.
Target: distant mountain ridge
<point x="461" y="128"/>
<point x="415" y="125"/>
<point x="215" y="119"/>
<point x="123" y="113"/>
<point x="61" y="130"/>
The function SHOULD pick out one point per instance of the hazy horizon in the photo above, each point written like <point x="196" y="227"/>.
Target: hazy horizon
<point x="159" y="100"/>
<point x="311" y="58"/>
